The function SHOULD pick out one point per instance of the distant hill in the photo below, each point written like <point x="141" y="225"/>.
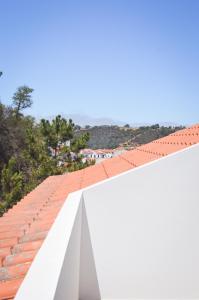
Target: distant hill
<point x="113" y="136"/>
<point x="84" y="120"/>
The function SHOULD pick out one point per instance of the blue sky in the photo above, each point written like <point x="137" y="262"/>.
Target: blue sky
<point x="135" y="61"/>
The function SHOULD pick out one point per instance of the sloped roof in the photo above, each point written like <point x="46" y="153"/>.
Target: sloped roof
<point x="24" y="227"/>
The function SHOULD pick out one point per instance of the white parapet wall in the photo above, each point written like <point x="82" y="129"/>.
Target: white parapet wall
<point x="134" y="236"/>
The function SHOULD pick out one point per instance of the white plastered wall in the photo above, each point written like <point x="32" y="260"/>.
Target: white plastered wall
<point x="144" y="228"/>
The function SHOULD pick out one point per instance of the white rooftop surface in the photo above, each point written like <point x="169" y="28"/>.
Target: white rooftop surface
<point x="134" y="236"/>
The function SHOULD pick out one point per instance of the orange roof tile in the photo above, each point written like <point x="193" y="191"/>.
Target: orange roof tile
<point x="24" y="227"/>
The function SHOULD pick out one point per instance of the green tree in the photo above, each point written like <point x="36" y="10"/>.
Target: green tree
<point x="22" y="99"/>
<point x="87" y="126"/>
<point x="12" y="134"/>
<point x="57" y="132"/>
<point x="77" y="127"/>
<point x="25" y="160"/>
<point x="12" y="183"/>
<point x="80" y="142"/>
<point x="155" y="126"/>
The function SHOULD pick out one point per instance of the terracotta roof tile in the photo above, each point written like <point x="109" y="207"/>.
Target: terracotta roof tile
<point x="9" y="288"/>
<point x="28" y="246"/>
<point x="15" y="259"/>
<point x="4" y="252"/>
<point x="8" y="242"/>
<point x="33" y="237"/>
<point x="24" y="227"/>
<point x="14" y="271"/>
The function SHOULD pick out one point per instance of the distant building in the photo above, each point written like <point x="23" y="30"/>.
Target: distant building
<point x="97" y="154"/>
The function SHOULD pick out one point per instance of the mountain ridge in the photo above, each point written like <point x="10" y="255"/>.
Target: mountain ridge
<point x="83" y="120"/>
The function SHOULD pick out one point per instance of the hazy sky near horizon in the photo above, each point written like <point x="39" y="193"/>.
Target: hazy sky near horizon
<point x="135" y="61"/>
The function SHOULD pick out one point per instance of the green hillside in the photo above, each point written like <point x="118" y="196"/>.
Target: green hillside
<point x="112" y="136"/>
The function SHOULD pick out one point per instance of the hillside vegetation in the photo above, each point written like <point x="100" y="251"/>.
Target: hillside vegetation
<point x="113" y="136"/>
<point x="31" y="151"/>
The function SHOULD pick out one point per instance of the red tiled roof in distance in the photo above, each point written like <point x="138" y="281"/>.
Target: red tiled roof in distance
<point x="24" y="227"/>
